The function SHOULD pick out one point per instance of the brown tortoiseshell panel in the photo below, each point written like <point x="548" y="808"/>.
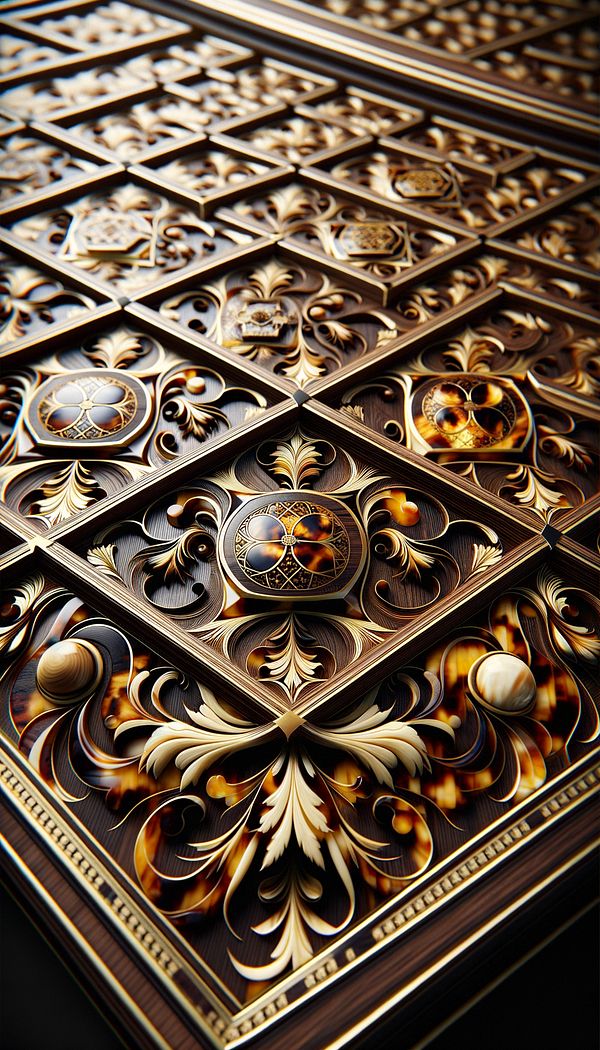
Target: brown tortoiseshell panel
<point x="221" y="820"/>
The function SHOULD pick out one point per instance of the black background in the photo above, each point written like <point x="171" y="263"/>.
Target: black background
<point x="550" y="1002"/>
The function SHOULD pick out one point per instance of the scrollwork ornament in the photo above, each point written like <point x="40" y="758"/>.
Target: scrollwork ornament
<point x="281" y="570"/>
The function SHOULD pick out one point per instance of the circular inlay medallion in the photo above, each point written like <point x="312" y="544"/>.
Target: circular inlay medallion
<point x="293" y="545"/>
<point x="94" y="407"/>
<point x="471" y="414"/>
<point x="503" y="683"/>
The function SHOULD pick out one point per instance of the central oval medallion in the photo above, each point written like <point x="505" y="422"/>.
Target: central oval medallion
<point x="293" y="545"/>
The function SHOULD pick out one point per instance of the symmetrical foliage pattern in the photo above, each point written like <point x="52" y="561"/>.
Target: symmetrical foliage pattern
<point x="280" y="808"/>
<point x="123" y="393"/>
<point x="300" y="383"/>
<point x="225" y="555"/>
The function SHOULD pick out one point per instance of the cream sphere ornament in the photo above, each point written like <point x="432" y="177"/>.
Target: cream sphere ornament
<point x="503" y="683"/>
<point x="69" y="670"/>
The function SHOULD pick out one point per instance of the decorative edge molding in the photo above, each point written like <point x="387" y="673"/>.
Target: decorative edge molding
<point x="226" y="1029"/>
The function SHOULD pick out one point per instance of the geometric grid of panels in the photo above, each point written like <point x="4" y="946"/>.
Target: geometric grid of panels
<point x="298" y="472"/>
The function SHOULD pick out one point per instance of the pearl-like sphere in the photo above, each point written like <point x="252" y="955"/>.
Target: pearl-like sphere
<point x="68" y="670"/>
<point x="505" y="682"/>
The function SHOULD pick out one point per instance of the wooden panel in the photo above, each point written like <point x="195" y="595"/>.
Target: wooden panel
<point x="299" y="486"/>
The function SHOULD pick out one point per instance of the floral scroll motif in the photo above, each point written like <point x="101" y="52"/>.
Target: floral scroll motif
<point x="508" y="404"/>
<point x="362" y="237"/>
<point x="30" y="300"/>
<point x="466" y="196"/>
<point x="319" y="816"/>
<point x="293" y="321"/>
<point x="128" y="236"/>
<point x="356" y="556"/>
<point x="122" y="391"/>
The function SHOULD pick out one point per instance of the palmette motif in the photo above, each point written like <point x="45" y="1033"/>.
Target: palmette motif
<point x="299" y="807"/>
<point x="308" y="775"/>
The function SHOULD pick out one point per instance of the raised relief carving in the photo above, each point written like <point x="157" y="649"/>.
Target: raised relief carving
<point x="31" y="301"/>
<point x="128" y="235"/>
<point x="47" y="99"/>
<point x="140" y="401"/>
<point x="296" y="139"/>
<point x="28" y="164"/>
<point x="472" y="197"/>
<point x="367" y="238"/>
<point x="291" y="320"/>
<point x="508" y="404"/>
<point x="285" y="814"/>
<point x="299" y="522"/>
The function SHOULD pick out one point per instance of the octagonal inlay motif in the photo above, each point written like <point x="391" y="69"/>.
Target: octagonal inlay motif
<point x="95" y="407"/>
<point x="301" y="545"/>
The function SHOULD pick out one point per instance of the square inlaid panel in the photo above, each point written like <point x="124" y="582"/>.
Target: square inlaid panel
<point x="384" y="247"/>
<point x="209" y="174"/>
<point x="246" y="841"/>
<point x="568" y="236"/>
<point x="18" y="51"/>
<point x="508" y="399"/>
<point x="111" y="24"/>
<point x="57" y="96"/>
<point x="106" y="411"/>
<point x="299" y="556"/>
<point x="127" y="235"/>
<point x="467" y="195"/>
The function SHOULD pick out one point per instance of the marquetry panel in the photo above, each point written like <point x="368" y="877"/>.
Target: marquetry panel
<point x="544" y="54"/>
<point x="80" y="425"/>
<point x="569" y="236"/>
<point x="152" y="126"/>
<point x="30" y="162"/>
<point x="209" y="174"/>
<point x="17" y="51"/>
<point x="298" y="473"/>
<point x="465" y="193"/>
<point x="263" y="838"/>
<point x="109" y="24"/>
<point x="126" y="235"/>
<point x="241" y="556"/>
<point x="293" y="320"/>
<point x="508" y="401"/>
<point x="57" y="96"/>
<point x="370" y="242"/>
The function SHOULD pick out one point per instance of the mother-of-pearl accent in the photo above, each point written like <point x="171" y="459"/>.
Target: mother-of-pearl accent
<point x="503" y="682"/>
<point x="69" y="670"/>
